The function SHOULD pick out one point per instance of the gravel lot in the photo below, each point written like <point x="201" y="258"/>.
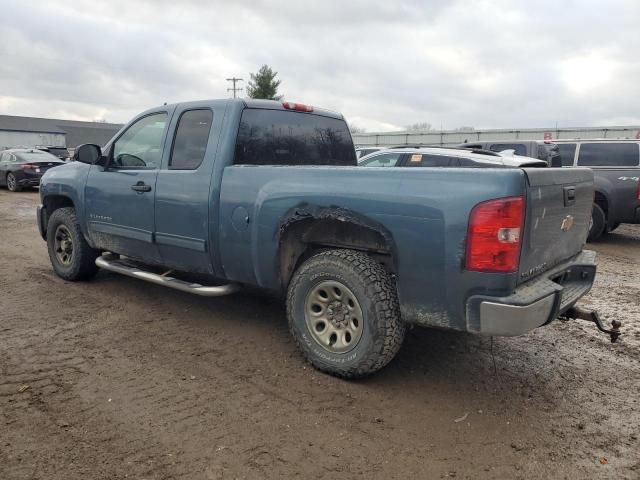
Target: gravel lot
<point x="118" y="378"/>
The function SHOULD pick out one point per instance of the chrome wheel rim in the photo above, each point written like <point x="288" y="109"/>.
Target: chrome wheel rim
<point x="11" y="182"/>
<point x="63" y="245"/>
<point x="334" y="316"/>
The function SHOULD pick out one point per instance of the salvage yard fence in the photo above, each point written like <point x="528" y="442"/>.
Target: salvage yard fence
<point x="454" y="137"/>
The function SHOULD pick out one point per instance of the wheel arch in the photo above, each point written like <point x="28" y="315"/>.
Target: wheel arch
<point x="51" y="203"/>
<point x="602" y="199"/>
<point x="307" y="230"/>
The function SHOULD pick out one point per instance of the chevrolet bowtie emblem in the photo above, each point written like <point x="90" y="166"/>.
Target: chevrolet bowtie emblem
<point x="567" y="223"/>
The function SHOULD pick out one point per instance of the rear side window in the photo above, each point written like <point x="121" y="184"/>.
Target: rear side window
<point x="608" y="154"/>
<point x="382" y="160"/>
<point x="428" y="160"/>
<point x="465" y="162"/>
<point x="190" y="143"/>
<point x="519" y="148"/>
<point x="567" y="152"/>
<point x="276" y="137"/>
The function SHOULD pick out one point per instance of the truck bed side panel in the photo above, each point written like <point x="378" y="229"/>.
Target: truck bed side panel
<point x="426" y="212"/>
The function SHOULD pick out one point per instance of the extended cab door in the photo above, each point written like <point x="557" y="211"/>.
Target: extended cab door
<point x="183" y="192"/>
<point x="119" y="199"/>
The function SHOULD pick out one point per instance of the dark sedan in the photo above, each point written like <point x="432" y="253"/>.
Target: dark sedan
<point x="21" y="167"/>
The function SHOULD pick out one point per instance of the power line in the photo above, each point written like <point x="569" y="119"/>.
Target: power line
<point x="234" y="89"/>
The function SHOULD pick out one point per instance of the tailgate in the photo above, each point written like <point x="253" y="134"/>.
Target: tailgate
<point x="559" y="202"/>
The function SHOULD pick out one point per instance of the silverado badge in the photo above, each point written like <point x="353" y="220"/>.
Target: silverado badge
<point x="567" y="223"/>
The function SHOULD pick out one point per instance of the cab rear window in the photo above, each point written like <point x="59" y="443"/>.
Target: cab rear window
<point x="276" y="137"/>
<point x="609" y="155"/>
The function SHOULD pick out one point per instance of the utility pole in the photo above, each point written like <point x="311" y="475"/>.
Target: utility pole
<point x="233" y="89"/>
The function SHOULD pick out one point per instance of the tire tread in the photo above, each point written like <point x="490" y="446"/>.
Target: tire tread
<point x="388" y="325"/>
<point x="85" y="267"/>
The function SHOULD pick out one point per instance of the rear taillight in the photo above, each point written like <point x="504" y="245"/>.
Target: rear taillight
<point x="298" y="107"/>
<point x="495" y="234"/>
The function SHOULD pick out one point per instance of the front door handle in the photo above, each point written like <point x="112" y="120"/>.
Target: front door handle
<point x="141" y="187"/>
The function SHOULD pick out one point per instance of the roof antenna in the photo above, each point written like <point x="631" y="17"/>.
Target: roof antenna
<point x="164" y="103"/>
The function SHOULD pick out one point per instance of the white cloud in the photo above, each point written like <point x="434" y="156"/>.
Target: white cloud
<point x="384" y="65"/>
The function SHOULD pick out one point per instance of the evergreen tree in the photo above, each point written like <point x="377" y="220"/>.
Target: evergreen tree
<point x="264" y="84"/>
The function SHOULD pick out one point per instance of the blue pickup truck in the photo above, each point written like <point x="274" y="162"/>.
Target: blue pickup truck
<point x="208" y="197"/>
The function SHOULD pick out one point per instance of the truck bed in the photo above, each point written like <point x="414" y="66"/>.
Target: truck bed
<point x="424" y="211"/>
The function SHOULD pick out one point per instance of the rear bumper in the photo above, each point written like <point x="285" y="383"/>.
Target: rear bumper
<point x="534" y="303"/>
<point x="27" y="179"/>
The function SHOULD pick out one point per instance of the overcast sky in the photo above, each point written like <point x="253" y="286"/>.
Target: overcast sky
<point x="384" y="64"/>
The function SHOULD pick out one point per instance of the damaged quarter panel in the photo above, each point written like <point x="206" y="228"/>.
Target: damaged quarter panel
<point x="425" y="214"/>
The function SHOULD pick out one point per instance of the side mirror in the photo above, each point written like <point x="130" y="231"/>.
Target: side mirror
<point x="87" y="153"/>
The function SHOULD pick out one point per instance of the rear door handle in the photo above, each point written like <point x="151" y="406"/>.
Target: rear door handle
<point x="141" y="187"/>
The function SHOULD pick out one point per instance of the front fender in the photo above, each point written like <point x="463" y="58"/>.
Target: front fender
<point x="65" y="182"/>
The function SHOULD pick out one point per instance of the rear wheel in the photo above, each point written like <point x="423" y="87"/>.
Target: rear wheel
<point x="344" y="314"/>
<point x="597" y="223"/>
<point x="12" y="183"/>
<point x="71" y="256"/>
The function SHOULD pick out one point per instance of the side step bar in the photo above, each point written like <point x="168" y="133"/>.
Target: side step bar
<point x="114" y="264"/>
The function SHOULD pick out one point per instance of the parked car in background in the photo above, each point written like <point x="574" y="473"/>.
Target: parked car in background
<point x="364" y="151"/>
<point x="616" y="170"/>
<point x="21" y="168"/>
<point x="61" y="152"/>
<point x="543" y="150"/>
<point x="446" y="157"/>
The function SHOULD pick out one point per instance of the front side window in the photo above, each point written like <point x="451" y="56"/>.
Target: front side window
<point x="190" y="143"/>
<point x="140" y="147"/>
<point x="608" y="155"/>
<point x="519" y="148"/>
<point x="567" y="152"/>
<point x="382" y="160"/>
<point x="277" y="137"/>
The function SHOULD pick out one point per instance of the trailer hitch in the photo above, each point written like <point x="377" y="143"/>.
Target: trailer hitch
<point x="578" y="313"/>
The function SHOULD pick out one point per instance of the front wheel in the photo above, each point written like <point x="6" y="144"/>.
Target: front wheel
<point x="71" y="256"/>
<point x="12" y="183"/>
<point x="344" y="314"/>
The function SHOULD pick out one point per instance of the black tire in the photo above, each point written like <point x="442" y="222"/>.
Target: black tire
<point x="613" y="227"/>
<point x="80" y="264"/>
<point x="12" y="183"/>
<point x="382" y="331"/>
<point x="598" y="223"/>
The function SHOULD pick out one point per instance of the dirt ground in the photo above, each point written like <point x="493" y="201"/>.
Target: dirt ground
<point x="117" y="378"/>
